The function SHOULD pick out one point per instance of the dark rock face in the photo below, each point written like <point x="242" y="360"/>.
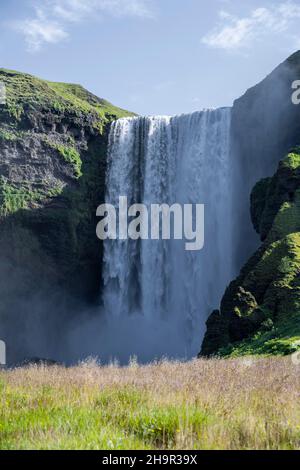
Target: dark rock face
<point x="260" y="311"/>
<point x="53" y="141"/>
<point x="265" y="126"/>
<point x="217" y="335"/>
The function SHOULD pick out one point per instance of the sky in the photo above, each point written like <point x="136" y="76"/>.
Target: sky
<point x="151" y="56"/>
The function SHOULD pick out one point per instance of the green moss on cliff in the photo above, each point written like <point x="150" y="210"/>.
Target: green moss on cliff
<point x="70" y="155"/>
<point x="8" y="135"/>
<point x="14" y="199"/>
<point x="275" y="201"/>
<point x="292" y="160"/>
<point x="287" y="219"/>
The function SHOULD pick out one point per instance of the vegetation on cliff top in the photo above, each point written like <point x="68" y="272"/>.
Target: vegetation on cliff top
<point x="25" y="92"/>
<point x="260" y="311"/>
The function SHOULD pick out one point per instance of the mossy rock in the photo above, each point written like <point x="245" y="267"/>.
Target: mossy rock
<point x="278" y="198"/>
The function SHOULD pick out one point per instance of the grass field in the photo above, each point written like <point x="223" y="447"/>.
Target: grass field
<point x="203" y="404"/>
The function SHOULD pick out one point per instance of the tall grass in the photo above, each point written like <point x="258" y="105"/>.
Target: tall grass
<point x="203" y="404"/>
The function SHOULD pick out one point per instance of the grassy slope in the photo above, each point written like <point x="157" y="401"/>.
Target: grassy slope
<point x="24" y="90"/>
<point x="205" y="404"/>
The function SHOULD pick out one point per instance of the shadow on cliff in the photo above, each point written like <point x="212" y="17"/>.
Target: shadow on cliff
<point x="265" y="126"/>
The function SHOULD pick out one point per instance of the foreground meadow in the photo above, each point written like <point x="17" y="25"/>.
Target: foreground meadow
<point x="203" y="404"/>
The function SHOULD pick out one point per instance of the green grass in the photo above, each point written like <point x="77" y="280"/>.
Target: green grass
<point x="91" y="419"/>
<point x="265" y="343"/>
<point x="44" y="420"/>
<point x="204" y="404"/>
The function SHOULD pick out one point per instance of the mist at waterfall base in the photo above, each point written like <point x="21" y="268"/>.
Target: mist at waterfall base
<point x="157" y="296"/>
<point x="121" y="339"/>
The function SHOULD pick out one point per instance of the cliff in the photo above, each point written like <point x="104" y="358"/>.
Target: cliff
<point x="53" y="140"/>
<point x="260" y="311"/>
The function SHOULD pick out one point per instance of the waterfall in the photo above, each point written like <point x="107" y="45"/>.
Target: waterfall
<point x="182" y="159"/>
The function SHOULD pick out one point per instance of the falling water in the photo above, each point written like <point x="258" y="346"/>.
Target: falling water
<point x="182" y="159"/>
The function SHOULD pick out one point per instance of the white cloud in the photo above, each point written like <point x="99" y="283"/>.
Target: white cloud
<point x="76" y="10"/>
<point x="234" y="33"/>
<point x="49" y="23"/>
<point x="40" y="30"/>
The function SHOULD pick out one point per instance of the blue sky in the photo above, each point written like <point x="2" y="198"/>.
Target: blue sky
<point x="151" y="56"/>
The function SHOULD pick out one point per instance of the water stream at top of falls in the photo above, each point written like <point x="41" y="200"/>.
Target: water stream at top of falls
<point x="182" y="159"/>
